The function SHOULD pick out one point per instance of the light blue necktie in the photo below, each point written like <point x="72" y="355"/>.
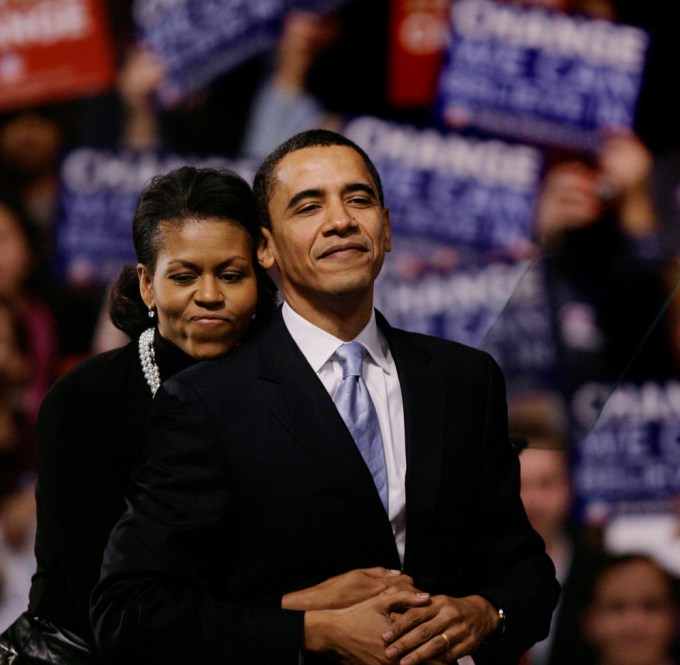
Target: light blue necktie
<point x="356" y="407"/>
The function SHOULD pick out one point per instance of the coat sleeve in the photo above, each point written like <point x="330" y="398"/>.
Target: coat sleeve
<point x="79" y="492"/>
<point x="518" y="576"/>
<point x="161" y="596"/>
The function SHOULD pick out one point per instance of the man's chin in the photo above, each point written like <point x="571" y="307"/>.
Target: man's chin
<point x="350" y="284"/>
<point x="350" y="292"/>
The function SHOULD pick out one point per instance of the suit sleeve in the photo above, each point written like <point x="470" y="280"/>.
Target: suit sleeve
<point x="162" y="596"/>
<point x="518" y="577"/>
<point x="79" y="489"/>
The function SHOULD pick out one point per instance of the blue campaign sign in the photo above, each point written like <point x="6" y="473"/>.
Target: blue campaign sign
<point x="198" y="40"/>
<point x="98" y="195"/>
<point x="424" y="288"/>
<point x="540" y="76"/>
<point x="629" y="462"/>
<point x="523" y="339"/>
<point x="445" y="187"/>
<point x="499" y="306"/>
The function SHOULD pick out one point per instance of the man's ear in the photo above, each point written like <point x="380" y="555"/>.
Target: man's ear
<point x="265" y="253"/>
<point x="388" y="229"/>
<point x="146" y="285"/>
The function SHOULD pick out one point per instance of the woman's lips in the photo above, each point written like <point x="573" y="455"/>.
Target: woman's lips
<point x="209" y="321"/>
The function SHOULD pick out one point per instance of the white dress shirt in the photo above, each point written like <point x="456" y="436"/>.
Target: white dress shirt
<point x="380" y="375"/>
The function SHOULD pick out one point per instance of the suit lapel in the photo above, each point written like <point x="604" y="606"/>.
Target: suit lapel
<point x="425" y="400"/>
<point x="301" y="404"/>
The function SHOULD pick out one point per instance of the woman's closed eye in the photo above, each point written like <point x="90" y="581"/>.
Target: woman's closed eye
<point x="183" y="278"/>
<point x="231" y="276"/>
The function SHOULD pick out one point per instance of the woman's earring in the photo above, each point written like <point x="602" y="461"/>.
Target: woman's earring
<point x="152" y="312"/>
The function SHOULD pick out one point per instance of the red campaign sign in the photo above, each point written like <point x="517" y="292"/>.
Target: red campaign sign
<point x="52" y="50"/>
<point x="418" y="33"/>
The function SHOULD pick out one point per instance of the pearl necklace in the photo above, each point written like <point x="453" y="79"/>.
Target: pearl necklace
<point x="148" y="359"/>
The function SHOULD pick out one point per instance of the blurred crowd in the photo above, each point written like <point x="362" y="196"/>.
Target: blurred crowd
<point x="604" y="229"/>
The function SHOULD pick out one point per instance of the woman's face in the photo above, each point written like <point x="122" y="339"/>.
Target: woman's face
<point x="204" y="289"/>
<point x="632" y="618"/>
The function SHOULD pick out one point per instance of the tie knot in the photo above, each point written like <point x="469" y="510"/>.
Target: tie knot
<point x="351" y="358"/>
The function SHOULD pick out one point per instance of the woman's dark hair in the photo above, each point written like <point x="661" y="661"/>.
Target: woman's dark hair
<point x="186" y="194"/>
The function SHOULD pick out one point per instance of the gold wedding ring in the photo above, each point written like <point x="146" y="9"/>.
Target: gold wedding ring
<point x="446" y="639"/>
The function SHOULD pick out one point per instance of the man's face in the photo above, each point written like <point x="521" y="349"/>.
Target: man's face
<point x="329" y="233"/>
<point x="545" y="490"/>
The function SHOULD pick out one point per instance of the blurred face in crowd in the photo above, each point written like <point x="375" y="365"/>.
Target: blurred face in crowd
<point x="545" y="489"/>
<point x="329" y="232"/>
<point x="203" y="288"/>
<point x="306" y="34"/>
<point x="16" y="260"/>
<point x="632" y="618"/>
<point x="30" y="143"/>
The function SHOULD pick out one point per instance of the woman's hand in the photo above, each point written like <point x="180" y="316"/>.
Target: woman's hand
<point x="346" y="589"/>
<point x="353" y="634"/>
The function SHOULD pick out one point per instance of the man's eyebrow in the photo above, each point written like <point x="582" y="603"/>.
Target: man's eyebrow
<point x="304" y="194"/>
<point x="359" y="187"/>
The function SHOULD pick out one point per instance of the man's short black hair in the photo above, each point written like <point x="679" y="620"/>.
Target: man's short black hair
<point x="265" y="177"/>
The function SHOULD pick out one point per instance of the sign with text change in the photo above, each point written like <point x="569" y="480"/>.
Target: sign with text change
<point x="98" y="195"/>
<point x="442" y="186"/>
<point x="540" y="76"/>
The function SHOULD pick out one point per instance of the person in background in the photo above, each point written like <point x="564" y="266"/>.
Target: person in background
<point x="546" y="494"/>
<point x="17" y="470"/>
<point x="283" y="105"/>
<point x="140" y="74"/>
<point x="632" y="613"/>
<point x="599" y="204"/>
<point x="30" y="143"/>
<point x="20" y="287"/>
<point x="196" y="292"/>
<point x="16" y="444"/>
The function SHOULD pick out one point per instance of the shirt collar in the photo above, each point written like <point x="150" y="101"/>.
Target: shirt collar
<point x="318" y="346"/>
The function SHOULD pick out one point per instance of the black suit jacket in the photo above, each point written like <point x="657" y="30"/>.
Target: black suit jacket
<point x="254" y="487"/>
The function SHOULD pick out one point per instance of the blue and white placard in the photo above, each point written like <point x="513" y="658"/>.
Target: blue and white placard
<point x="442" y="186"/>
<point x="198" y="40"/>
<point x="629" y="462"/>
<point x="98" y="195"/>
<point x="499" y="306"/>
<point x="540" y="76"/>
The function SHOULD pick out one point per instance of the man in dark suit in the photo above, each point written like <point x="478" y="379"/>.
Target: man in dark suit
<point x="255" y="488"/>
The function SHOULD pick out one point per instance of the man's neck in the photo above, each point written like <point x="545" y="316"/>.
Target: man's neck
<point x="343" y="319"/>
